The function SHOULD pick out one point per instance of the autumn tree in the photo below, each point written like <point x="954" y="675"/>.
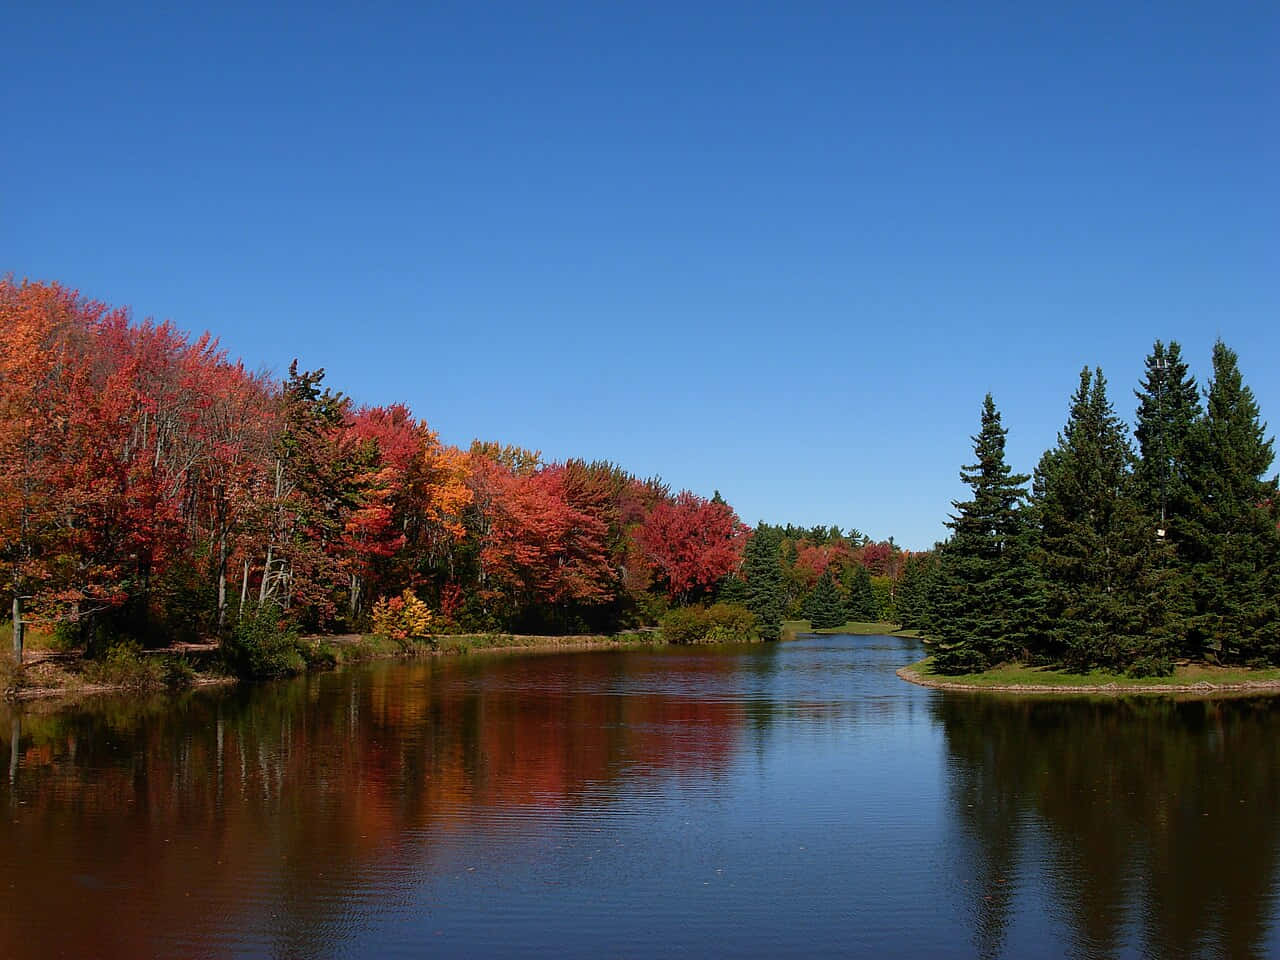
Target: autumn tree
<point x="692" y="543"/>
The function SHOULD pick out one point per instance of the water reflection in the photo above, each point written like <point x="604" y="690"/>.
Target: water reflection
<point x="298" y="786"/>
<point x="792" y="800"/>
<point x="1151" y="823"/>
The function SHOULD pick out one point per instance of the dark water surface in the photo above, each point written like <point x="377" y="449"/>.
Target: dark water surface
<point x="786" y="800"/>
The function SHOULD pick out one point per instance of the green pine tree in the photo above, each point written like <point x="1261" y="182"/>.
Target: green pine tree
<point x="824" y="607"/>
<point x="762" y="571"/>
<point x="1168" y="408"/>
<point x="984" y="595"/>
<point x="732" y="590"/>
<point x="1108" y="587"/>
<point x="1229" y="538"/>
<point x="913" y="590"/>
<point x="861" y="603"/>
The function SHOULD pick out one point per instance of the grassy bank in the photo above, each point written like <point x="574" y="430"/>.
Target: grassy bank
<point x="1019" y="678"/>
<point x="855" y="628"/>
<point x="50" y="673"/>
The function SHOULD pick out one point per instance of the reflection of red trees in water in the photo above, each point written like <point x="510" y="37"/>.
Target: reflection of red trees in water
<point x="169" y="822"/>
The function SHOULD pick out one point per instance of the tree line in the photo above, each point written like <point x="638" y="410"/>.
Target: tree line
<point x="153" y="488"/>
<point x="1117" y="552"/>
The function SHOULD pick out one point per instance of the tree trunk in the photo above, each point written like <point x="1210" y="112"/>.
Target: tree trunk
<point x="222" y="580"/>
<point x="355" y="601"/>
<point x="18" y="628"/>
<point x="244" y="589"/>
<point x="266" y="577"/>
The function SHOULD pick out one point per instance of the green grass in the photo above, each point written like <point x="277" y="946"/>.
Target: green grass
<point x="1021" y="675"/>
<point x="854" y="627"/>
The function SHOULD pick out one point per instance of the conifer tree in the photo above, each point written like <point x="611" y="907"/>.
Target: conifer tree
<point x="762" y="571"/>
<point x="913" y="590"/>
<point x="1168" y="408"/>
<point x="1229" y="538"/>
<point x="732" y="590"/>
<point x="984" y="597"/>
<point x="861" y="604"/>
<point x="1107" y="590"/>
<point x="824" y="607"/>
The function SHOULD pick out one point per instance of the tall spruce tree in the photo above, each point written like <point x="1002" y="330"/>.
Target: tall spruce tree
<point x="762" y="570"/>
<point x="1230" y="538"/>
<point x="1107" y="590"/>
<point x="861" y="603"/>
<point x="984" y="595"/>
<point x="1168" y="408"/>
<point x="824" y="607"/>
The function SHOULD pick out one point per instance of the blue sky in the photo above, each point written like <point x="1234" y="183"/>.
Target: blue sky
<point x="781" y="250"/>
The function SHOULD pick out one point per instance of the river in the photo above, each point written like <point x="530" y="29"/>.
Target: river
<point x="792" y="799"/>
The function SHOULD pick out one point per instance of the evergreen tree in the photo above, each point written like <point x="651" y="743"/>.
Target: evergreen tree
<point x="983" y="599"/>
<point x="1168" y="408"/>
<point x="824" y="607"/>
<point x="762" y="571"/>
<point x="1229" y="538"/>
<point x="732" y="590"/>
<point x="861" y="604"/>
<point x="913" y="590"/>
<point x="1107" y="580"/>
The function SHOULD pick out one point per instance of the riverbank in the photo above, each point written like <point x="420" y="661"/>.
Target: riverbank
<point x="855" y="628"/>
<point x="1197" y="678"/>
<point x="52" y="675"/>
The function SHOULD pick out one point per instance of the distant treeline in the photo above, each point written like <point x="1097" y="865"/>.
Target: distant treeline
<point x="152" y="488"/>
<point x="1118" y="557"/>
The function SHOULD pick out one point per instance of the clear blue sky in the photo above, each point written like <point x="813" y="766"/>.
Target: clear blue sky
<point x="777" y="249"/>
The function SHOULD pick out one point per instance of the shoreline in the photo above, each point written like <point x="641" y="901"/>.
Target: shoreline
<point x="1202" y="688"/>
<point x="365" y="649"/>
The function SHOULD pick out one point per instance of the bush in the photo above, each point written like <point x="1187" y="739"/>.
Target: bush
<point x="262" y="645"/>
<point x="404" y="618"/>
<point x="321" y="654"/>
<point x="178" y="673"/>
<point x="12" y="677"/>
<point x="735" y="623"/>
<point x="1151" y="666"/>
<point x="684" y="625"/>
<point x="721" y="623"/>
<point x="124" y="665"/>
<point x="959" y="659"/>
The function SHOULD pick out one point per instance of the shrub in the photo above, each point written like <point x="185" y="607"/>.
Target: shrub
<point x="320" y="653"/>
<point x="262" y="645"/>
<point x="124" y="665"/>
<point x="404" y="618"/>
<point x="177" y="672"/>
<point x="721" y="623"/>
<point x="735" y="623"/>
<point x="1151" y="666"/>
<point x="684" y="625"/>
<point x="959" y="659"/>
<point x="12" y="677"/>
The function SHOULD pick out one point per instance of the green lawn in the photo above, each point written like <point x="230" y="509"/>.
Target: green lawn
<point x="854" y="627"/>
<point x="1024" y="676"/>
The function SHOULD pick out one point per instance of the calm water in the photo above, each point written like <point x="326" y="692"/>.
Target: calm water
<point x="785" y="800"/>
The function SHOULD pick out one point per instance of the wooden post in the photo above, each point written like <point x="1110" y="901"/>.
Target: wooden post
<point x="18" y="627"/>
